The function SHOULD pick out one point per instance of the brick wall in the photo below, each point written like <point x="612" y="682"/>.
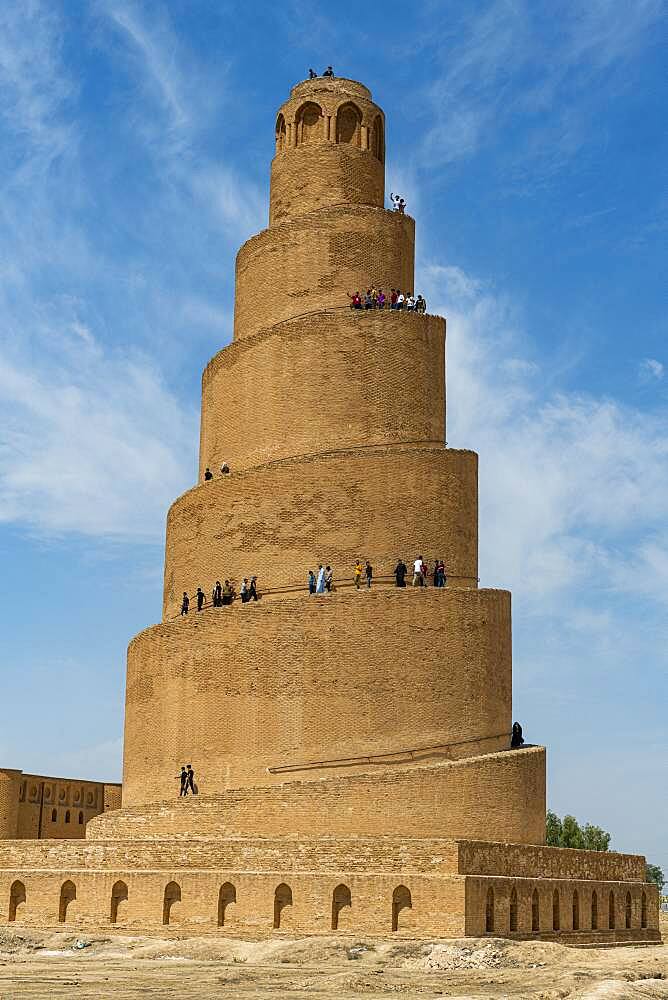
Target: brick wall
<point x="378" y="878"/>
<point x="548" y="862"/>
<point x="309" y="263"/>
<point x="496" y="795"/>
<point x="306" y="178"/>
<point x="552" y="909"/>
<point x="387" y="368"/>
<point x="34" y="806"/>
<point x="279" y="520"/>
<point x="236" y="691"/>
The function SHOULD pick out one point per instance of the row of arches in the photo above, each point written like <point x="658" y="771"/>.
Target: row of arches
<point x="610" y="917"/>
<point x="311" y="124"/>
<point x="68" y="816"/>
<point x="227" y="897"/>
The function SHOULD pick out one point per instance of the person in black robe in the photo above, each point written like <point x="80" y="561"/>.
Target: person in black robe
<point x="400" y="573"/>
<point x="516" y="740"/>
<point x="217" y="595"/>
<point x="185" y="604"/>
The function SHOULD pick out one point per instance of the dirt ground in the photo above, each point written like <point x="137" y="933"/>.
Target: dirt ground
<point x="61" y="965"/>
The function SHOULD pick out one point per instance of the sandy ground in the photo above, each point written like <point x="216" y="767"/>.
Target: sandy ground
<point x="58" y="965"/>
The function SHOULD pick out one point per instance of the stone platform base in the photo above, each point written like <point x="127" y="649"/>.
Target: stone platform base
<point x="415" y="887"/>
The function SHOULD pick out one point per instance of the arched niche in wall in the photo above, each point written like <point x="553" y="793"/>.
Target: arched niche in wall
<point x="349" y="124"/>
<point x="280" y="134"/>
<point x="378" y="139"/>
<point x="308" y="123"/>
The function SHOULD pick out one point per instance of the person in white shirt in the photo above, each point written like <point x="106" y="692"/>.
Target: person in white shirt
<point x="410" y="303"/>
<point x="417" y="572"/>
<point x="400" y="300"/>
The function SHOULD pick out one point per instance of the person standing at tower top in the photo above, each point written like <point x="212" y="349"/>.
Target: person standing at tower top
<point x="312" y="74"/>
<point x="328" y="72"/>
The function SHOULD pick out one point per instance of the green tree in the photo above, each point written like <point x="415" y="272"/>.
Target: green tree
<point x="552" y="829"/>
<point x="571" y="834"/>
<point x="594" y="838"/>
<point x="654" y="874"/>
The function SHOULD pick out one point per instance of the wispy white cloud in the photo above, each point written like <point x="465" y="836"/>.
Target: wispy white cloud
<point x="650" y="369"/>
<point x="31" y="88"/>
<point x="96" y="445"/>
<point x="497" y="68"/>
<point x="574" y="487"/>
<point x="186" y="100"/>
<point x="155" y="47"/>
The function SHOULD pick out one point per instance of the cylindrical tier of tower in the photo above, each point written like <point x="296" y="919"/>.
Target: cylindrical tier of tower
<point x="330" y="149"/>
<point x="316" y="679"/>
<point x="386" y="369"/>
<point x="308" y="264"/>
<point x="279" y="520"/>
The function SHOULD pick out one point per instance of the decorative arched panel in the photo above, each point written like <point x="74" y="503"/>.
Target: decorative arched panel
<point x="556" y="911"/>
<point x="489" y="912"/>
<point x="378" y="139"/>
<point x="282" y="899"/>
<point x="401" y="900"/>
<point x="309" y="123"/>
<point x="68" y="893"/>
<point x="349" y="125"/>
<point x="535" y="911"/>
<point x="17" y="898"/>
<point x="119" y="898"/>
<point x="170" y="902"/>
<point x="513" y="910"/>
<point x="227" y="896"/>
<point x="594" y="911"/>
<point x="280" y="134"/>
<point x="341" y="900"/>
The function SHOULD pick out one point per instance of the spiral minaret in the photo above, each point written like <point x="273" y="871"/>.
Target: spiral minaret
<point x="332" y="422"/>
<point x="352" y="749"/>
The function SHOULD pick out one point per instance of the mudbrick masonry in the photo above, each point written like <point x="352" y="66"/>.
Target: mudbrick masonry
<point x="352" y="748"/>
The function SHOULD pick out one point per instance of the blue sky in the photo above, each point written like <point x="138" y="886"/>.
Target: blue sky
<point x="528" y="140"/>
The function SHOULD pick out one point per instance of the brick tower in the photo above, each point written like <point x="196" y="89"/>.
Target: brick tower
<point x="352" y="749"/>
<point x="332" y="421"/>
